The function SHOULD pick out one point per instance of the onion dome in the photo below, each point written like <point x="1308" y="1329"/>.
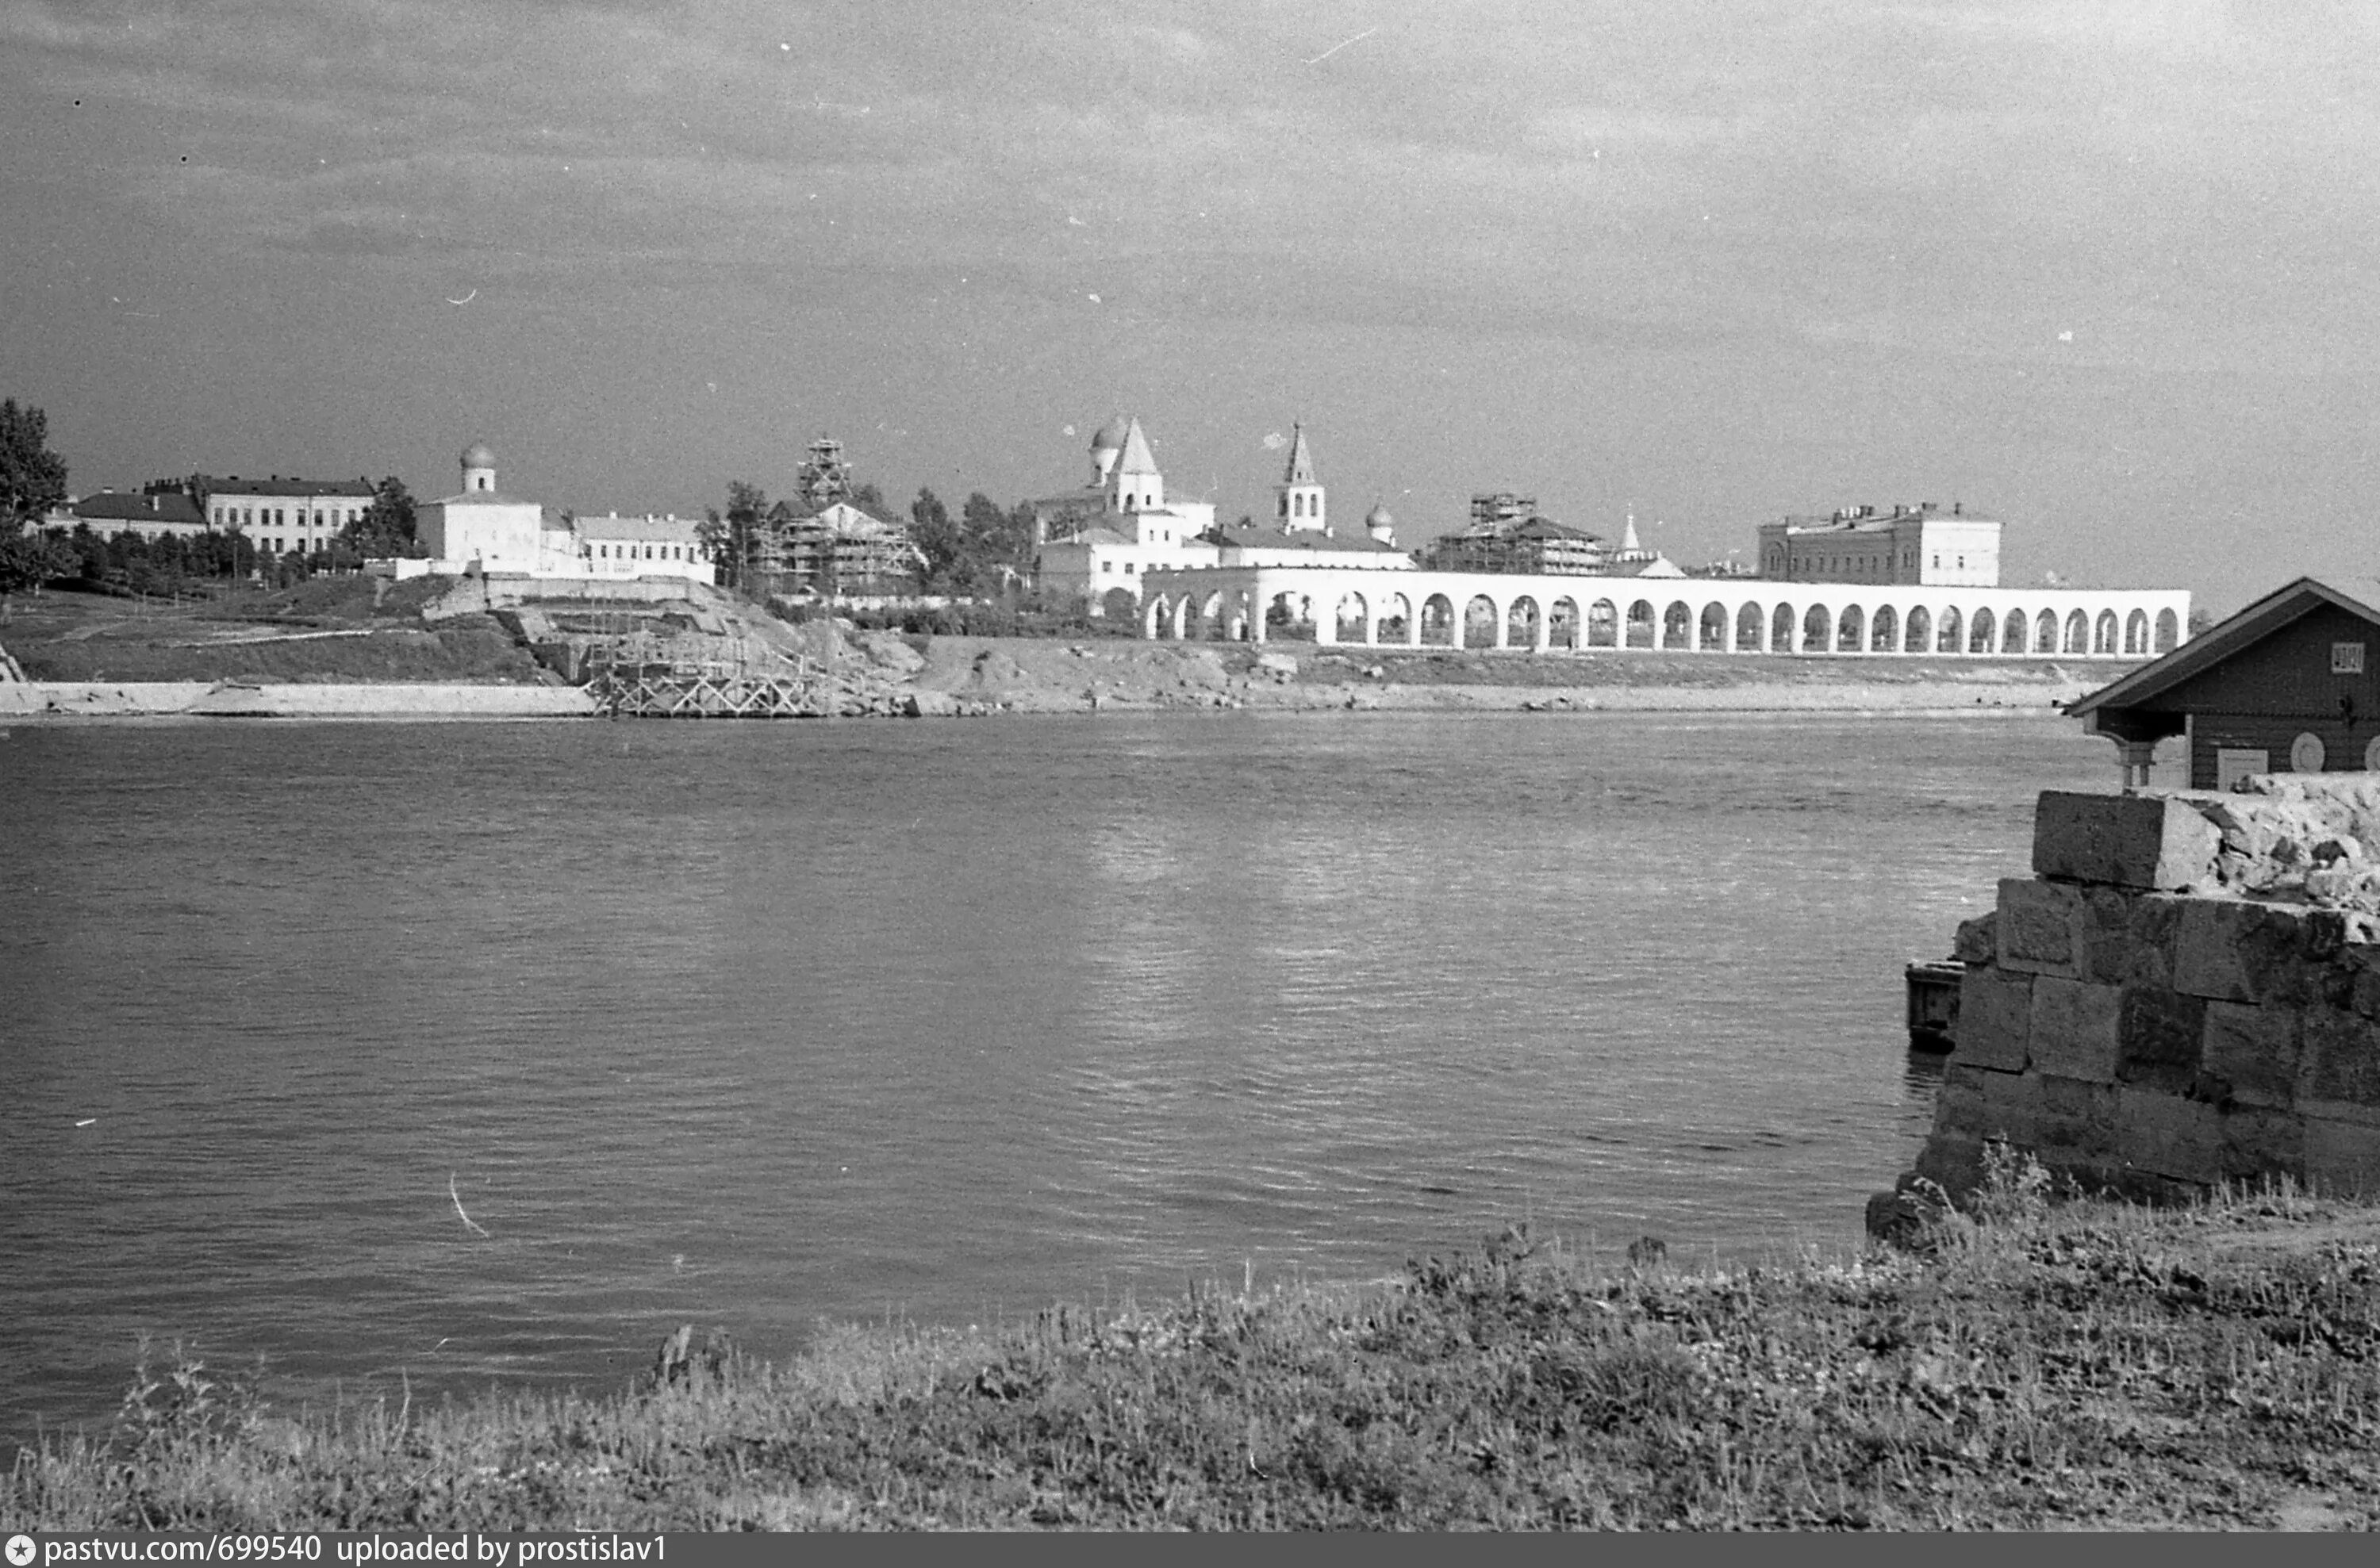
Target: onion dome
<point x="1379" y="517"/>
<point x="477" y="455"/>
<point x="1112" y="435"/>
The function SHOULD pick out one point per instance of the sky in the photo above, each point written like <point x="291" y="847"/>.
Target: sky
<point x="2104" y="271"/>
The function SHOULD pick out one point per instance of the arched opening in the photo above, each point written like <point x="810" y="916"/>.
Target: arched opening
<point x="1817" y="629"/>
<point x="1921" y="630"/>
<point x="1479" y="623"/>
<point x="2103" y="632"/>
<point x="1710" y="632"/>
<point x="1118" y="604"/>
<point x="1678" y="625"/>
<point x="1290" y="616"/>
<point x="1187" y="622"/>
<point x="2078" y="632"/>
<point x="1850" y="630"/>
<point x="1748" y="625"/>
<point x="2013" y="631"/>
<point x="1396" y="621"/>
<point x="1603" y="624"/>
<point x="1984" y="635"/>
<point x="2168" y="630"/>
<point x="1347" y="621"/>
<point x="2136" y="632"/>
<point x="2044" y="632"/>
<point x="1640" y="628"/>
<point x="1562" y="629"/>
<point x="1781" y="629"/>
<point x="1438" y="622"/>
<point x="1885" y="635"/>
<point x="1155" y="617"/>
<point x="1521" y="624"/>
<point x="1949" y="641"/>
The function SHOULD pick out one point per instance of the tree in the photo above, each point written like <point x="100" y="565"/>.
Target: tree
<point x="386" y="528"/>
<point x="868" y="499"/>
<point x="32" y="477"/>
<point x="938" y="538"/>
<point x="747" y="513"/>
<point x="28" y="560"/>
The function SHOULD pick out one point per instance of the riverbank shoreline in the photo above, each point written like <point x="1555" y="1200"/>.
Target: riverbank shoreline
<point x="890" y="676"/>
<point x="2089" y="1365"/>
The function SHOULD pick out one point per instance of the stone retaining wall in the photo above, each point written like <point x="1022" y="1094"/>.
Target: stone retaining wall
<point x="2187" y="992"/>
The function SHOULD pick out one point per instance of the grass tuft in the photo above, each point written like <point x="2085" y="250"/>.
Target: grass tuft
<point x="2058" y="1364"/>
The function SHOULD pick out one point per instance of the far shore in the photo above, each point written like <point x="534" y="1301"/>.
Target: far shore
<point x="890" y="674"/>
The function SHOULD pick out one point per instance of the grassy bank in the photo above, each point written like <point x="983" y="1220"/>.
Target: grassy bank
<point x="2080" y="1366"/>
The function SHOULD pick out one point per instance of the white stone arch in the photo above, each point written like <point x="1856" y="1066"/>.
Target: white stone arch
<point x="1524" y="624"/>
<point x="1483" y="622"/>
<point x="1785" y="628"/>
<point x="2078" y="632"/>
<point x="1650" y="620"/>
<point x="1883" y="632"/>
<point x="1817" y="629"/>
<point x="2169" y="632"/>
<point x="1565" y="623"/>
<point x="1711" y="628"/>
<point x="1677" y="626"/>
<point x="1917" y="631"/>
<point x="1439" y="628"/>
<point x="2136" y="632"/>
<point x="2102" y="633"/>
<point x="1950" y="631"/>
<point x="1850" y="628"/>
<point x="1361" y="621"/>
<point x="1156" y="617"/>
<point x="1394" y="619"/>
<point x="1983" y="631"/>
<point x="1606" y="628"/>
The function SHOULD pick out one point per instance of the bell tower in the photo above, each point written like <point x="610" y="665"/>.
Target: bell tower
<point x="1299" y="502"/>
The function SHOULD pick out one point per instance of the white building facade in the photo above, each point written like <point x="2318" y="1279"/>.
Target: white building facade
<point x="1921" y="544"/>
<point x="285" y="515"/>
<point x="1101" y="542"/>
<point x="1564" y="613"/>
<point x="480" y="529"/>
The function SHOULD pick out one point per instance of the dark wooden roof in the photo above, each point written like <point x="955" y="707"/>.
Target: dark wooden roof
<point x="2227" y="639"/>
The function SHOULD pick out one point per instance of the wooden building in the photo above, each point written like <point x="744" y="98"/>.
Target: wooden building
<point x="2290" y="684"/>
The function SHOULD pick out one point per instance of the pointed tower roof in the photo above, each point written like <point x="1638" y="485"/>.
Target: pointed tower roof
<point x="1136" y="458"/>
<point x="1628" y="539"/>
<point x="1301" y="461"/>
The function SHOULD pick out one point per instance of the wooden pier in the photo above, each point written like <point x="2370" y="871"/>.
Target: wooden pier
<point x="738" y="689"/>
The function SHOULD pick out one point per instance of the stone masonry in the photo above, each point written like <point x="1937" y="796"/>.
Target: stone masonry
<point x="2186" y="992"/>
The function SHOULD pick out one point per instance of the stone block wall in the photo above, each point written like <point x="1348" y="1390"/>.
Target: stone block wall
<point x="2186" y="992"/>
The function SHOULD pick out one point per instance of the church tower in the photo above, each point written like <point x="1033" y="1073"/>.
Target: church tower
<point x="1133" y="482"/>
<point x="1298" y="498"/>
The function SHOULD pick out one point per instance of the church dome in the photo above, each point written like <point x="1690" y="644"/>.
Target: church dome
<point x="1110" y="436"/>
<point x="477" y="455"/>
<point x="1377" y="517"/>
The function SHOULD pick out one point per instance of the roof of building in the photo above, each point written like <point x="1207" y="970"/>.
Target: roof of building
<point x="645" y="529"/>
<point x="1272" y="536"/>
<point x="481" y="498"/>
<point x="1136" y="458"/>
<point x="1379" y="517"/>
<point x="170" y="506"/>
<point x="1110" y="436"/>
<point x="2358" y="596"/>
<point x="1301" y="460"/>
<point x="276" y="484"/>
<point x="478" y="455"/>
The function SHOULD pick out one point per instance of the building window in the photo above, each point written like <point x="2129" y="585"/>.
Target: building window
<point x="1127" y="568"/>
<point x="1107" y="566"/>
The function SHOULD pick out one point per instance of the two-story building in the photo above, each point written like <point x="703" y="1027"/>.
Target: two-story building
<point x="1919" y="545"/>
<point x="283" y="514"/>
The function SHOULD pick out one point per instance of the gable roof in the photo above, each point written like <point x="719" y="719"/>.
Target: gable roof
<point x="117" y="506"/>
<point x="1272" y="536"/>
<point x="275" y="484"/>
<point x="2358" y="596"/>
<point x="645" y="529"/>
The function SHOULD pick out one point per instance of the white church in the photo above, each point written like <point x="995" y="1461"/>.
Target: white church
<point x="480" y="530"/>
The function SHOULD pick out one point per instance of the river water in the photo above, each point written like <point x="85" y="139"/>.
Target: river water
<point x="760" y="1025"/>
